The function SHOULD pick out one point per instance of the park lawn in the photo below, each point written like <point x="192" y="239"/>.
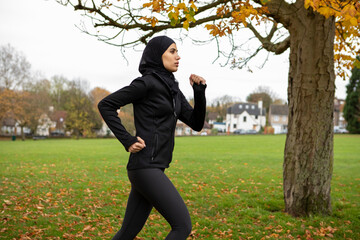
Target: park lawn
<point x="232" y="185"/>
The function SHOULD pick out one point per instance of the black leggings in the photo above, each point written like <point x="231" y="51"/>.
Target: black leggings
<point x="152" y="188"/>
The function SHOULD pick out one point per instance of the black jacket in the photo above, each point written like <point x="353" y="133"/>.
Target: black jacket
<point x="156" y="110"/>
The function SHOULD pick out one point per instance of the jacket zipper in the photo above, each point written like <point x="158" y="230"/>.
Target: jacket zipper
<point x="154" y="147"/>
<point x="174" y="110"/>
<point x="174" y="104"/>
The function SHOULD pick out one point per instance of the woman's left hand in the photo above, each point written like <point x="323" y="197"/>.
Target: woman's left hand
<point x="138" y="146"/>
<point x="196" y="79"/>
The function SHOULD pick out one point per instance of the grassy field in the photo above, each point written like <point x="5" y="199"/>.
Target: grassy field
<point x="232" y="185"/>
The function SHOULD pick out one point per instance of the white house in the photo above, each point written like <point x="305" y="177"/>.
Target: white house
<point x="245" y="116"/>
<point x="339" y="120"/>
<point x="278" y="118"/>
<point x="11" y="127"/>
<point x="45" y="124"/>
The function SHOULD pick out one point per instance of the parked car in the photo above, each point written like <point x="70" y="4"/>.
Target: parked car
<point x="37" y="137"/>
<point x="251" y="131"/>
<point x="340" y="130"/>
<point x="284" y="131"/>
<point x="239" y="131"/>
<point x="57" y="134"/>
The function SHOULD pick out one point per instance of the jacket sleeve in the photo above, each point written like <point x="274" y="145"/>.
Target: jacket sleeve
<point x="109" y="105"/>
<point x="194" y="117"/>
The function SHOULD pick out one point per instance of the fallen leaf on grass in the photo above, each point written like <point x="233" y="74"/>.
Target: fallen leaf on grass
<point x="7" y="202"/>
<point x="40" y="206"/>
<point x="87" y="228"/>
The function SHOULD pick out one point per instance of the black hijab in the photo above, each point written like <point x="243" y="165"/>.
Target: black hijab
<point x="151" y="61"/>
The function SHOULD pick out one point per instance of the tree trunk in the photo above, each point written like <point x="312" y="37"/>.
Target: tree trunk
<point x="308" y="158"/>
<point x="22" y="133"/>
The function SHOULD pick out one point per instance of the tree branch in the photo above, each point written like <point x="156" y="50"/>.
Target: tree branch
<point x="276" y="48"/>
<point x="280" y="10"/>
<point x="127" y="17"/>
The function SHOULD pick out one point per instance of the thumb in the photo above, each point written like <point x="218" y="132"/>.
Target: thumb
<point x="141" y="141"/>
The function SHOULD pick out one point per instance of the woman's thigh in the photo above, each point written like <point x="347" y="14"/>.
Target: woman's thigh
<point x="157" y="188"/>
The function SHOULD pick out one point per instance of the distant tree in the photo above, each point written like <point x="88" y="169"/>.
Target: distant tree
<point x="97" y="94"/>
<point x="77" y="120"/>
<point x="23" y="111"/>
<point x="81" y="117"/>
<point x="221" y="104"/>
<point x="263" y="96"/>
<point x="20" y="106"/>
<point x="127" y="119"/>
<point x="352" y="102"/>
<point x="279" y="101"/>
<point x="8" y="104"/>
<point x="59" y="91"/>
<point x="14" y="68"/>
<point x="39" y="102"/>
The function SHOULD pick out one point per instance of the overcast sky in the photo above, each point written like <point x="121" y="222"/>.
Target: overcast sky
<point x="45" y="33"/>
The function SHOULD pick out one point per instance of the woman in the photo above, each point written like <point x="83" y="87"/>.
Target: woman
<point x="158" y="103"/>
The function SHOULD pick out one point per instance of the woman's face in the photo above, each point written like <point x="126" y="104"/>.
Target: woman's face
<point x="171" y="58"/>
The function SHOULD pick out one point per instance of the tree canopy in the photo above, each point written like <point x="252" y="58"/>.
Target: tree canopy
<point x="268" y="20"/>
<point x="14" y="68"/>
<point x="352" y="104"/>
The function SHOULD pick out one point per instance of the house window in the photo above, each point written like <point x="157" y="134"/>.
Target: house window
<point x="284" y="118"/>
<point x="247" y="106"/>
<point x="252" y="107"/>
<point x="240" y="106"/>
<point x="234" y="126"/>
<point x="256" y="116"/>
<point x="244" y="118"/>
<point x="276" y="118"/>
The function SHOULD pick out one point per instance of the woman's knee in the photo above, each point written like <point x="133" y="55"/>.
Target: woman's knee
<point x="184" y="228"/>
<point x="179" y="232"/>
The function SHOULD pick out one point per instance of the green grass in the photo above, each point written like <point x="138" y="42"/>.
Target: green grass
<point x="232" y="185"/>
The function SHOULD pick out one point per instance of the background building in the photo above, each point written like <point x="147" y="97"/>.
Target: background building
<point x="278" y="118"/>
<point x="245" y="116"/>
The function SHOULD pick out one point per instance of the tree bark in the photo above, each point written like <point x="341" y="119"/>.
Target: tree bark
<point x="308" y="158"/>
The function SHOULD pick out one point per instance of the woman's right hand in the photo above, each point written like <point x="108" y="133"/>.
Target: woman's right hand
<point x="138" y="146"/>
<point x="196" y="79"/>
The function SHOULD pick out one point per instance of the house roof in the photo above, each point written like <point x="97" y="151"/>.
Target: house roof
<point x="213" y="115"/>
<point x="279" y="109"/>
<point x="57" y="115"/>
<point x="251" y="108"/>
<point x="10" y="122"/>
